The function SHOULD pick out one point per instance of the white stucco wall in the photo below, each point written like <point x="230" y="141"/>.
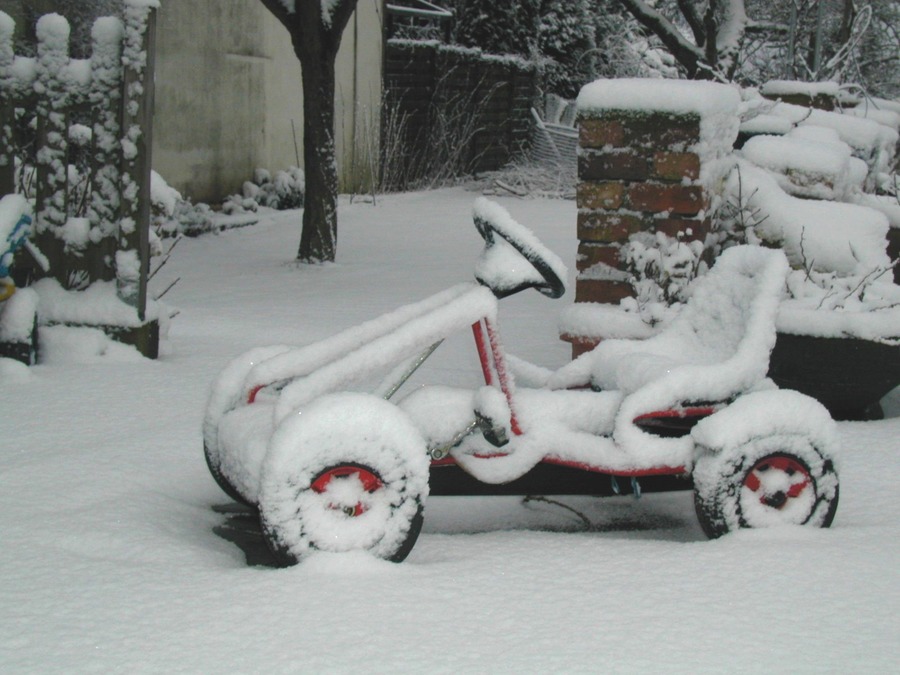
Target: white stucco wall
<point x="228" y="86"/>
<point x="358" y="98"/>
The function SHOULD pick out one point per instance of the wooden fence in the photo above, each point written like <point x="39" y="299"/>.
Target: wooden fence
<point x="75" y="136"/>
<point x="458" y="101"/>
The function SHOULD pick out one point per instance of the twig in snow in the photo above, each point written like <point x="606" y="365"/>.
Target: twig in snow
<point x="537" y="498"/>
<point x="808" y="266"/>
<point x="165" y="258"/>
<point x="167" y="288"/>
<point x="510" y="188"/>
<point x="878" y="272"/>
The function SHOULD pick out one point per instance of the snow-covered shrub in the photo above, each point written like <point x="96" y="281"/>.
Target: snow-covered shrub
<point x="842" y="283"/>
<point x="194" y="219"/>
<point x="661" y="268"/>
<point x="567" y="43"/>
<point x="163" y="201"/>
<point x="497" y="28"/>
<point x="238" y="204"/>
<point x="172" y="214"/>
<point x="286" y="190"/>
<point x="809" y="162"/>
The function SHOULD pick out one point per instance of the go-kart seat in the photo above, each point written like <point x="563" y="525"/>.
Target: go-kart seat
<point x="715" y="348"/>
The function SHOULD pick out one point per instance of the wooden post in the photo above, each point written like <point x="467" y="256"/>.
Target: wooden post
<point x="106" y="103"/>
<point x="133" y="254"/>
<point x="52" y="141"/>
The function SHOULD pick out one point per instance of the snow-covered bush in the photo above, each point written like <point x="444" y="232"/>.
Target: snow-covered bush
<point x="842" y="283"/>
<point x="193" y="219"/>
<point x="285" y="191"/>
<point x="567" y="45"/>
<point x="171" y="214"/>
<point x="662" y="269"/>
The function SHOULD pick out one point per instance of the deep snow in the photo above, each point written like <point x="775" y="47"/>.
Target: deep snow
<point x="110" y="563"/>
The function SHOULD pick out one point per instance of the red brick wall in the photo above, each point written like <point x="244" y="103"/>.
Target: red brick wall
<point x="635" y="174"/>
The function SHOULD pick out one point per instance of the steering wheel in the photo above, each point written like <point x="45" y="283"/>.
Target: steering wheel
<point x="543" y="271"/>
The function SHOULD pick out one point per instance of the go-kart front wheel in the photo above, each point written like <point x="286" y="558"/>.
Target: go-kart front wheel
<point x="349" y="472"/>
<point x="767" y="482"/>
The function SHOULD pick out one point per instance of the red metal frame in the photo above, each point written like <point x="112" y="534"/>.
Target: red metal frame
<point x="678" y="413"/>
<point x="495" y="364"/>
<point x="625" y="473"/>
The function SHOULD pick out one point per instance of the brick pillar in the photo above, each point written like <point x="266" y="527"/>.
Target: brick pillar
<point x="639" y="170"/>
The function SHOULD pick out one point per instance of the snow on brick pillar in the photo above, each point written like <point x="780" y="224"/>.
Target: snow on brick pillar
<point x="647" y="162"/>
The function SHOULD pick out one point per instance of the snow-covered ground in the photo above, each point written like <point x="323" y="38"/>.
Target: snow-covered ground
<point x="109" y="562"/>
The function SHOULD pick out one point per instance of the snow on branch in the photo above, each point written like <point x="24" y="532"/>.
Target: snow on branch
<point x="689" y="55"/>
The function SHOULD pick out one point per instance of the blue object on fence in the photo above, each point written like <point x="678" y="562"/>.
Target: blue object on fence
<point x="15" y="239"/>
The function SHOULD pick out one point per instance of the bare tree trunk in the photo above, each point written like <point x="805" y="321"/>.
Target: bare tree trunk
<point x="316" y="35"/>
<point x="318" y="240"/>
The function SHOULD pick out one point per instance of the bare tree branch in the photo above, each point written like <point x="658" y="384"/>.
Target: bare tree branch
<point x="688" y="55"/>
<point x="689" y="10"/>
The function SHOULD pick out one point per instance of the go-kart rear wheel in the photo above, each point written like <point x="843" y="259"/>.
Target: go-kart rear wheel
<point x="767" y="482"/>
<point x="350" y="472"/>
<point x="220" y="479"/>
<point x="226" y="394"/>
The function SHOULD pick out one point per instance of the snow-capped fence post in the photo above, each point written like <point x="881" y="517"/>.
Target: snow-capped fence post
<point x="133" y="254"/>
<point x="52" y="85"/>
<point x="115" y="87"/>
<point x="647" y="162"/>
<point x="7" y="109"/>
<point x="106" y="101"/>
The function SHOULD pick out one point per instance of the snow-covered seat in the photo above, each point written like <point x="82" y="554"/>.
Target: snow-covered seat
<point x="715" y="348"/>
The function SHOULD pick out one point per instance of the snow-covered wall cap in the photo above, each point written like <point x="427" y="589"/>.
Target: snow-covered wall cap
<point x="655" y="95"/>
<point x="789" y="87"/>
<point x="53" y="31"/>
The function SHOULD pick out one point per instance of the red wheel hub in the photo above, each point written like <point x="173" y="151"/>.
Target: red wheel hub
<point x="795" y="481"/>
<point x="370" y="483"/>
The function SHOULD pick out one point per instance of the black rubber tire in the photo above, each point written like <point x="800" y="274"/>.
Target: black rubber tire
<point x="226" y="394"/>
<point x="725" y="500"/>
<point x="415" y="528"/>
<point x="222" y="481"/>
<point x="287" y="555"/>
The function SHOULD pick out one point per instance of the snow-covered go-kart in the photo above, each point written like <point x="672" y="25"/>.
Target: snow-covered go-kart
<point x="335" y="470"/>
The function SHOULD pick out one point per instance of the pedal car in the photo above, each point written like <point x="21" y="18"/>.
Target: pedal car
<point x="18" y="307"/>
<point x="336" y="470"/>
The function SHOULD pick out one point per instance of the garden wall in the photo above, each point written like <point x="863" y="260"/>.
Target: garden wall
<point x="470" y="107"/>
<point x="645" y="164"/>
